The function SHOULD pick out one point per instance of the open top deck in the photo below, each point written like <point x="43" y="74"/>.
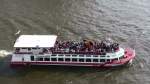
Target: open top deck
<point x="43" y="44"/>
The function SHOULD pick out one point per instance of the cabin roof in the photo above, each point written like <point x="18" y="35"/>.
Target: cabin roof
<point x="35" y="41"/>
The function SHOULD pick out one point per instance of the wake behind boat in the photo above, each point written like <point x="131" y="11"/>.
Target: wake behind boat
<point x="47" y="50"/>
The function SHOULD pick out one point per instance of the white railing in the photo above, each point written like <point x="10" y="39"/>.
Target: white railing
<point x="72" y="58"/>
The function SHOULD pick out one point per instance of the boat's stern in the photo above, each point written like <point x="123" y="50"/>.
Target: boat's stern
<point x="19" y="60"/>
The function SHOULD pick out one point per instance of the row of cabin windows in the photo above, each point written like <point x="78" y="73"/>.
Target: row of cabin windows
<point x="73" y="59"/>
<point x="29" y="49"/>
<point x="69" y="59"/>
<point x="77" y="55"/>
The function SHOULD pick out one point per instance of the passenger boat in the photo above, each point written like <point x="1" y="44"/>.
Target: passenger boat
<point x="47" y="50"/>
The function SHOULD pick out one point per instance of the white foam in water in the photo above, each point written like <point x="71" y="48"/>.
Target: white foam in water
<point x="4" y="53"/>
<point x="18" y="32"/>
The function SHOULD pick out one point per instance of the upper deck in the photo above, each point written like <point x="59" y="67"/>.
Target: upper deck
<point x="44" y="44"/>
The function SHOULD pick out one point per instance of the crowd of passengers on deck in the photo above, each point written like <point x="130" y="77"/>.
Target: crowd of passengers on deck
<point x="84" y="47"/>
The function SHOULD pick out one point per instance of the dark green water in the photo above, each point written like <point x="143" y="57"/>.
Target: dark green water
<point x="126" y="21"/>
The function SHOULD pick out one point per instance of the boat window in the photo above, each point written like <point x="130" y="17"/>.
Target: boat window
<point x="115" y="59"/>
<point x="34" y="48"/>
<point x="32" y="58"/>
<point x="60" y="55"/>
<point x="46" y="59"/>
<point x="81" y="55"/>
<point x="29" y="49"/>
<point x="67" y="55"/>
<point x="108" y="60"/>
<point x="95" y="56"/>
<point x="95" y="60"/>
<point x="81" y="60"/>
<point x="88" y="55"/>
<point x="74" y="59"/>
<point x="53" y="59"/>
<point x="60" y="59"/>
<point x="102" y="55"/>
<point x="88" y="60"/>
<point x="53" y="55"/>
<point x="24" y="48"/>
<point x="39" y="59"/>
<point x="74" y="55"/>
<point x="102" y="60"/>
<point x="67" y="59"/>
<point x="17" y="48"/>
